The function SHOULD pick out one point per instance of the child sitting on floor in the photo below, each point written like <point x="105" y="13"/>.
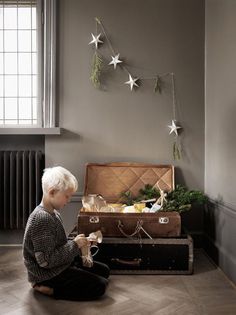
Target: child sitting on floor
<point x="54" y="263"/>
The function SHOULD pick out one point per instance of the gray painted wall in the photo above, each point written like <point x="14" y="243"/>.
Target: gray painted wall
<point x="114" y="124"/>
<point x="220" y="151"/>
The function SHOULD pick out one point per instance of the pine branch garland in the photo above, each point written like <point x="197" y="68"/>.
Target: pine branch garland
<point x="97" y="20"/>
<point x="158" y="85"/>
<point x="176" y="151"/>
<point x="96" y="71"/>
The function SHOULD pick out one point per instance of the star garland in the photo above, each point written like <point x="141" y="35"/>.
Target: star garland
<point x="97" y="66"/>
<point x="115" y="60"/>
<point x="96" y="40"/>
<point x="174" y="126"/>
<point x="132" y="82"/>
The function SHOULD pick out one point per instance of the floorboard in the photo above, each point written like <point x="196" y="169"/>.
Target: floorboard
<point x="206" y="292"/>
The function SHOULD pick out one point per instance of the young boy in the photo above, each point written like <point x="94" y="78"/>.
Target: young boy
<point x="54" y="263"/>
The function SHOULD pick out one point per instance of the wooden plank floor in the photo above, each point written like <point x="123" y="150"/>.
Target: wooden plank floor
<point x="207" y="291"/>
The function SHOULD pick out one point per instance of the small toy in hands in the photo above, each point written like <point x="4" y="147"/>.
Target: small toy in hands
<point x="87" y="256"/>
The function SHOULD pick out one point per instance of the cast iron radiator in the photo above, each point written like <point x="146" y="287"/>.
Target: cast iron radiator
<point x="20" y="186"/>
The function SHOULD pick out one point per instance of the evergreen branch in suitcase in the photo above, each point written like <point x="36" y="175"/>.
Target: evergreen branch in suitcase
<point x="127" y="198"/>
<point x="180" y="199"/>
<point x="148" y="192"/>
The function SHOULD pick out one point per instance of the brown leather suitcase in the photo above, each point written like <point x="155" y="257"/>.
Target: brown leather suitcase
<point x="109" y="181"/>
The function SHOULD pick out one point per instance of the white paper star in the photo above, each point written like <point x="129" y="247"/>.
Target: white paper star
<point x="115" y="60"/>
<point x="96" y="40"/>
<point x="174" y="128"/>
<point x="132" y="82"/>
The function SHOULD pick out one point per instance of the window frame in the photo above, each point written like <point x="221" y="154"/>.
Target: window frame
<point x="46" y="109"/>
<point x="49" y="64"/>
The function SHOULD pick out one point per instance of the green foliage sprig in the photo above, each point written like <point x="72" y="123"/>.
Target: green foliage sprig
<point x="176" y="151"/>
<point x="158" y="84"/>
<point x="127" y="198"/>
<point x="148" y="192"/>
<point x="180" y="199"/>
<point x="96" y="71"/>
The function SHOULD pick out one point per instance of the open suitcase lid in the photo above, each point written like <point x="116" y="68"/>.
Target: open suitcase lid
<point x="110" y="180"/>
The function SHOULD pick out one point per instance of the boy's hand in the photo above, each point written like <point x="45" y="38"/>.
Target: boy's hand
<point x="81" y="240"/>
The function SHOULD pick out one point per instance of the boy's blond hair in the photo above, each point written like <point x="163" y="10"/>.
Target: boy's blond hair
<point x="58" y="178"/>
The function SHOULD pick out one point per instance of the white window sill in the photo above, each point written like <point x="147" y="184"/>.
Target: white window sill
<point x="30" y="131"/>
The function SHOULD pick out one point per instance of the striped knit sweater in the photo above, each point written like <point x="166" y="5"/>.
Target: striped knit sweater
<point x="46" y="250"/>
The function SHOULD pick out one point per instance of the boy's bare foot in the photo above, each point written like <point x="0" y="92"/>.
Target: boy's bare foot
<point x="43" y="289"/>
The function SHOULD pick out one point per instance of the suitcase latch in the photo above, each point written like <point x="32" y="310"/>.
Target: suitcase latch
<point x="163" y="220"/>
<point x="94" y="219"/>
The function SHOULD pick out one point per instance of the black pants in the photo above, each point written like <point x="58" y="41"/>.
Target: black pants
<point x="78" y="283"/>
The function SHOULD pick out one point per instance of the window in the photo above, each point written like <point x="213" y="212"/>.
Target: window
<point x="27" y="63"/>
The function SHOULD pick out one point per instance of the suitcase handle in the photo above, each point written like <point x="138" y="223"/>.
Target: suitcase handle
<point x="134" y="262"/>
